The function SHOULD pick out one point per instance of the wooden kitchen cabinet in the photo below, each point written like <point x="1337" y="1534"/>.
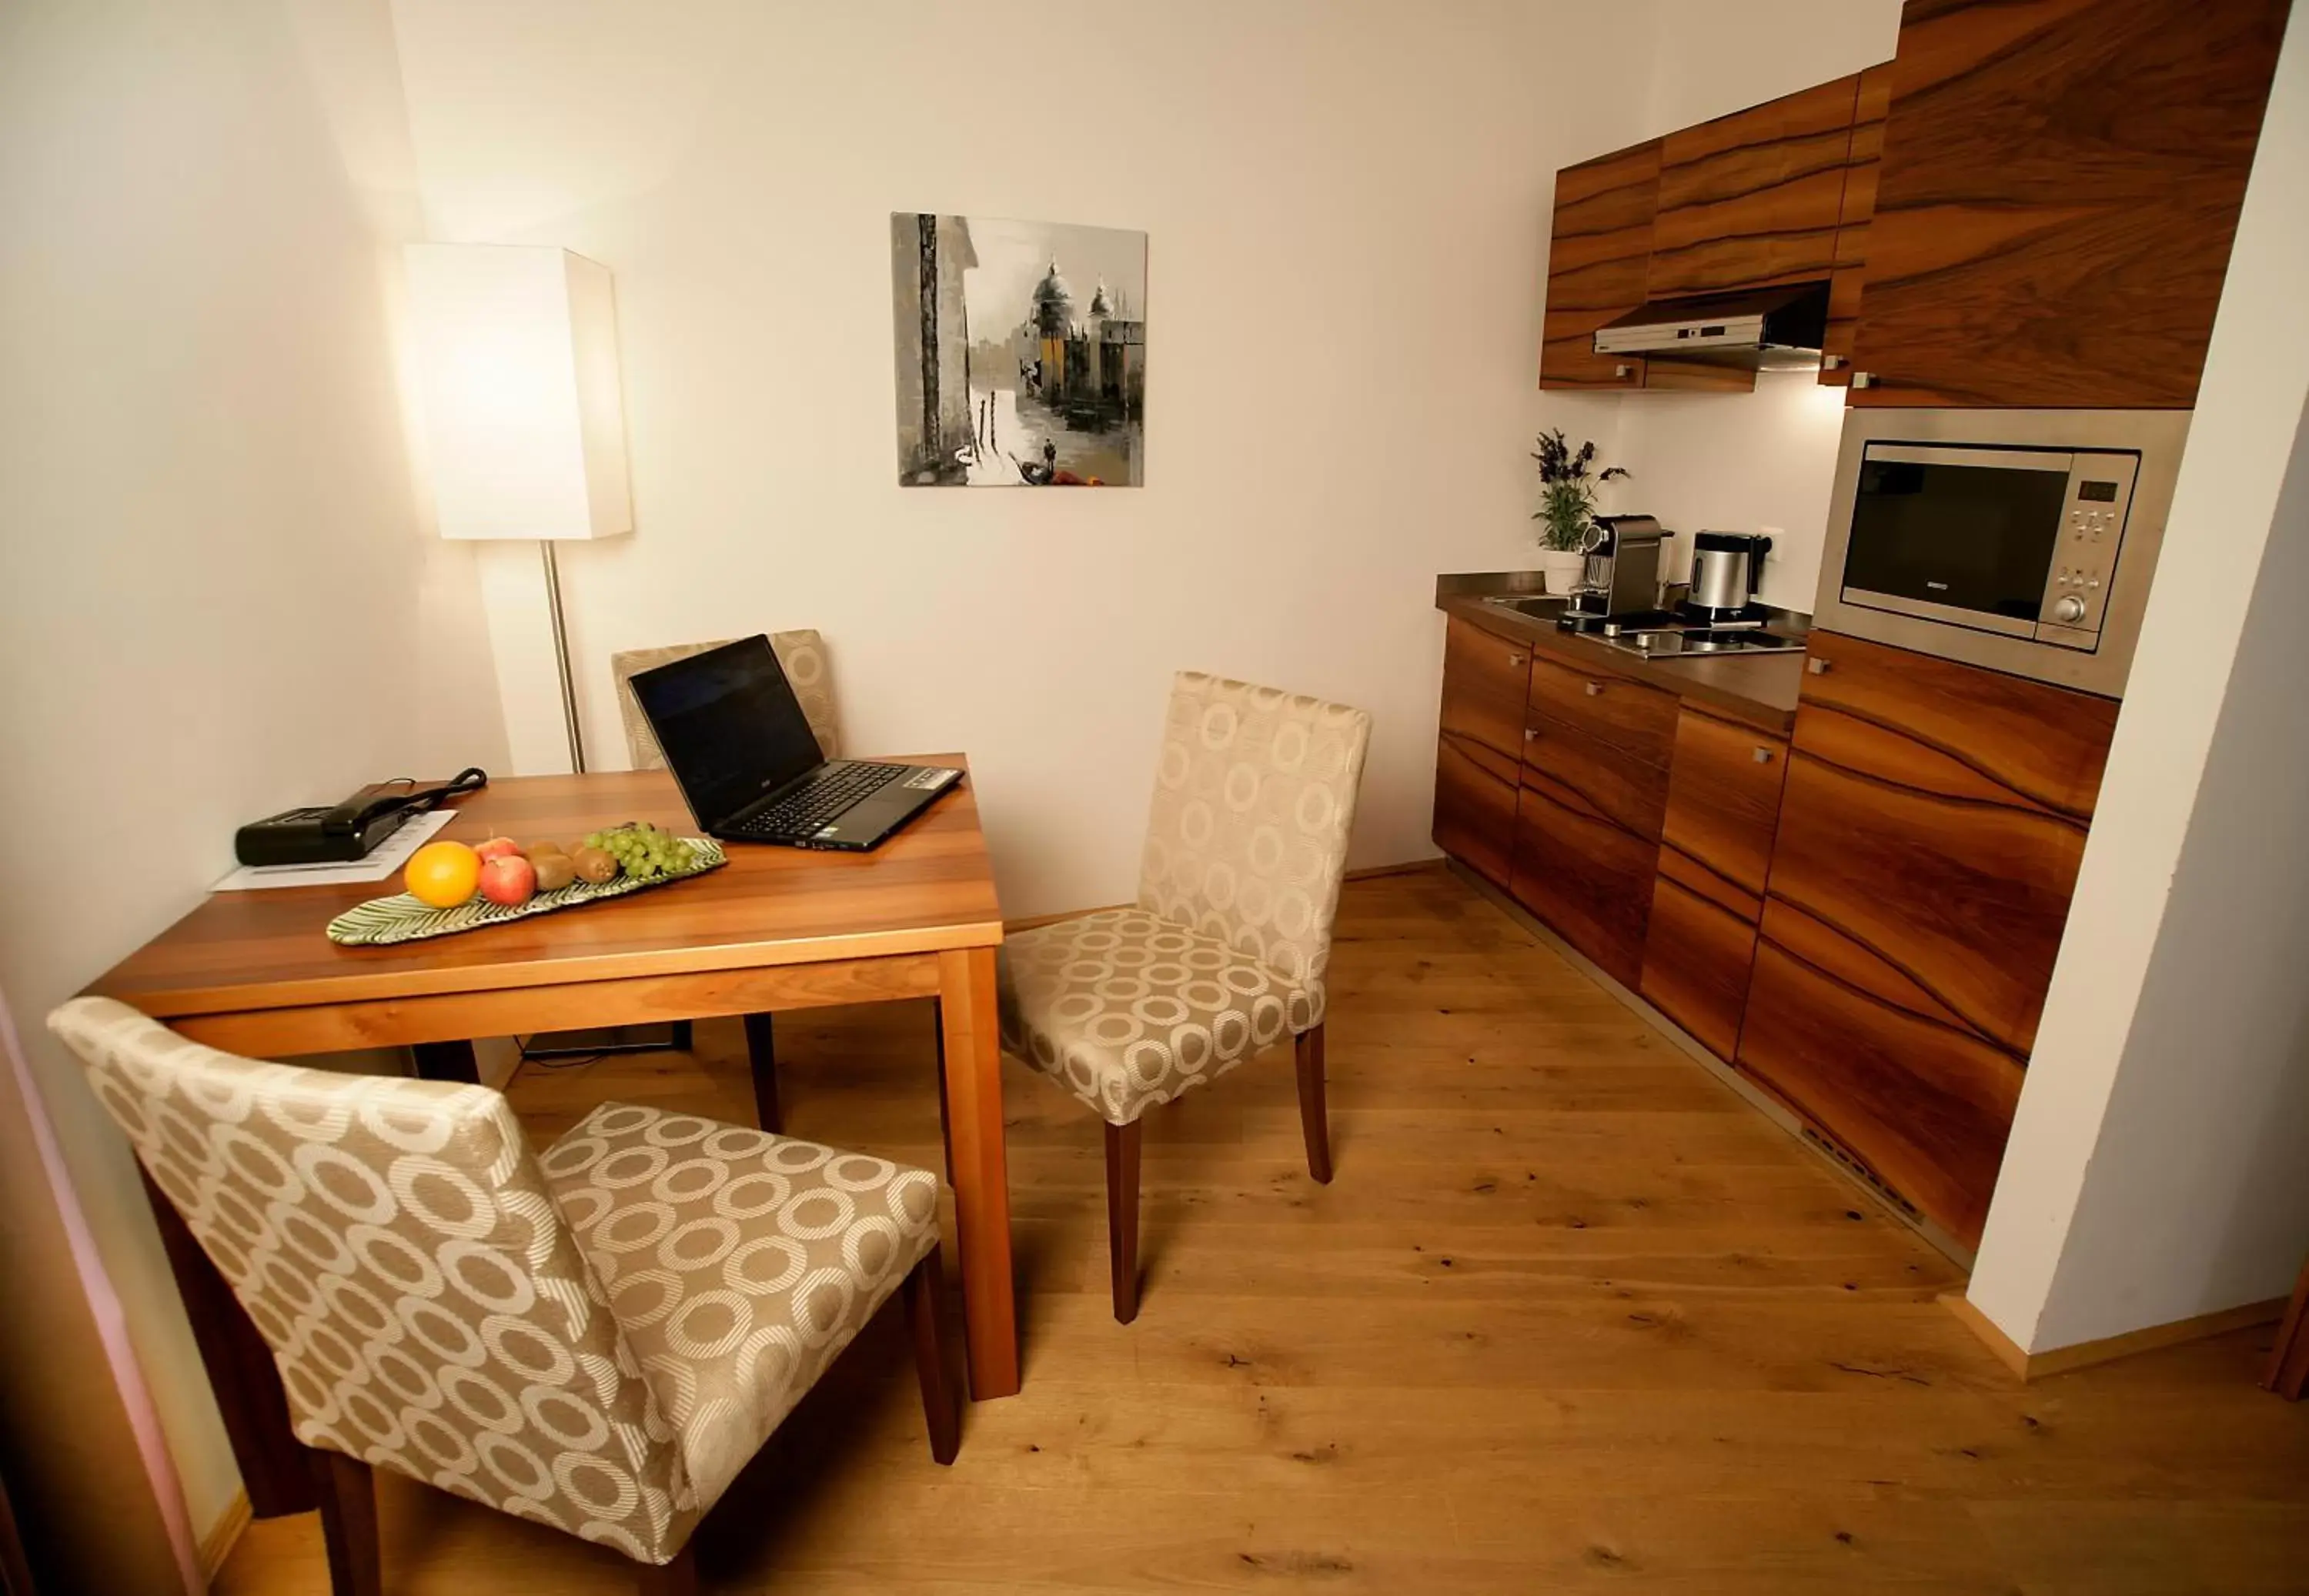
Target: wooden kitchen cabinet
<point x="1753" y="199"/>
<point x="1478" y="756"/>
<point x="1716" y="852"/>
<point x="1931" y="823"/>
<point x="1585" y="874"/>
<point x="1596" y="258"/>
<point x="1871" y="106"/>
<point x="1594" y="782"/>
<point x="2058" y="194"/>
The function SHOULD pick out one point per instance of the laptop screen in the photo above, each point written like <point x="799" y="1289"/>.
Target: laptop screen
<point x="730" y="727"/>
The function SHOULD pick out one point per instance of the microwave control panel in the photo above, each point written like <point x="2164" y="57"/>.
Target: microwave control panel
<point x="2084" y="559"/>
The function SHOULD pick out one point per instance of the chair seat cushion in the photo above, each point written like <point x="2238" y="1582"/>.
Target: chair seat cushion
<point x="738" y="1264"/>
<point x="1126" y="1009"/>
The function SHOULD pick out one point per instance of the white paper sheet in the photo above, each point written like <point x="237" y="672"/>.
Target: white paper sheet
<point x="390" y="856"/>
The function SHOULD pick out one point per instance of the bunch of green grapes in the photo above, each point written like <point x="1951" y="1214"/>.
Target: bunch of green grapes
<point x="643" y="851"/>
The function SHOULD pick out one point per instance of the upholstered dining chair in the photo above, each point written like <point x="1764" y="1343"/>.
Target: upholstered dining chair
<point x="598" y="1339"/>
<point x="802" y="655"/>
<point x="1227" y="947"/>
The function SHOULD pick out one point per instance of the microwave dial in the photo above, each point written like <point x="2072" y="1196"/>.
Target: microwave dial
<point x="2070" y="611"/>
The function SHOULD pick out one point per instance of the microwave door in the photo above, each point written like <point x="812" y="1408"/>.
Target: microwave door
<point x="1961" y="536"/>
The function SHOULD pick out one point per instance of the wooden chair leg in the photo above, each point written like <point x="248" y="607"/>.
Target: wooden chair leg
<point x="762" y="1052"/>
<point x="348" y="1492"/>
<point x="940" y="1405"/>
<point x="1313" y="1119"/>
<point x="676" y="1578"/>
<point x="1122" y="1216"/>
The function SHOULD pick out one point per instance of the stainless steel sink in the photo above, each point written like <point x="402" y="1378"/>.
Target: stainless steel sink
<point x="1532" y="605"/>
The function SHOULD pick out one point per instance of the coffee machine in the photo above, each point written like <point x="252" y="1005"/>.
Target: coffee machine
<point x="1727" y="569"/>
<point x="1621" y="577"/>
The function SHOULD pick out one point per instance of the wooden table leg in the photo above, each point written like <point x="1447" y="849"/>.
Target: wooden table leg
<point x="973" y="1068"/>
<point x="241" y="1372"/>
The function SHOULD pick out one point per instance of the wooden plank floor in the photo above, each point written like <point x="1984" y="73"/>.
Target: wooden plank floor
<point x="1571" y="1318"/>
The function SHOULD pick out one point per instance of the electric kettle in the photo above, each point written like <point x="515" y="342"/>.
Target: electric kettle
<point x="1727" y="570"/>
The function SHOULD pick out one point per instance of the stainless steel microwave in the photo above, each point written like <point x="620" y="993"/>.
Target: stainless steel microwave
<point x="2022" y="540"/>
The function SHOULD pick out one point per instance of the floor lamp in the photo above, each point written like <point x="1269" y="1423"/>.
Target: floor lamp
<point x="516" y="366"/>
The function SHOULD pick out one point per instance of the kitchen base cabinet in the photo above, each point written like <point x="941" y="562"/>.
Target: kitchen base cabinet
<point x="1584" y="875"/>
<point x="1716" y="852"/>
<point x="1926" y="1105"/>
<point x="1474" y="812"/>
<point x="1479" y="755"/>
<point x="1931" y="829"/>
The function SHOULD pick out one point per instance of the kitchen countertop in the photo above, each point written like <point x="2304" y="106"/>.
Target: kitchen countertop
<point x="1760" y="690"/>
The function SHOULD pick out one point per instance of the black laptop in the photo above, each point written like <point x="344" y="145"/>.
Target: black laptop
<point x="736" y="740"/>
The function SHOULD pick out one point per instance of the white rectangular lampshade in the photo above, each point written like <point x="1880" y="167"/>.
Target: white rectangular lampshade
<point x="516" y="364"/>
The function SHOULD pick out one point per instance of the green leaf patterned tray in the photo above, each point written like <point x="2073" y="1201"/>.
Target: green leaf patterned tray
<point x="402" y="918"/>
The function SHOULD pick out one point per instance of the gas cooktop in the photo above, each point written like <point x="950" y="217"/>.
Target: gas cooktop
<point x="1692" y="642"/>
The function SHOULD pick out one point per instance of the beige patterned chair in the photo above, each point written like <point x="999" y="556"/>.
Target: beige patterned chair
<point x="597" y="1340"/>
<point x="802" y="655"/>
<point x="1226" y="950"/>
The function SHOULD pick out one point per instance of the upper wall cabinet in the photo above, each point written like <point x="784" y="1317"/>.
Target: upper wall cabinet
<point x="1753" y="199"/>
<point x="1595" y="264"/>
<point x="2059" y="188"/>
<point x="1870" y="107"/>
<point x="1744" y="202"/>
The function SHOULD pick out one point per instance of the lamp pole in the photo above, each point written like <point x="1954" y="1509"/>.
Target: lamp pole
<point x="561" y="658"/>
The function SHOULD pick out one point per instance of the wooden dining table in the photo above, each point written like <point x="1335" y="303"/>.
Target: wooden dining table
<point x="775" y="928"/>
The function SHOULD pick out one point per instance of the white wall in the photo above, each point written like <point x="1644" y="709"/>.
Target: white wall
<point x="2156" y="1170"/>
<point x="1347" y="210"/>
<point x="218" y="597"/>
<point x="1746" y="462"/>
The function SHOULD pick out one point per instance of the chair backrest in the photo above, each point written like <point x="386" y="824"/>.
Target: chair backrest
<point x="801" y="654"/>
<point x="396" y="1245"/>
<point x="1254" y="799"/>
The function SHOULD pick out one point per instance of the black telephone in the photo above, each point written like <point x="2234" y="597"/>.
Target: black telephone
<point x="349" y="831"/>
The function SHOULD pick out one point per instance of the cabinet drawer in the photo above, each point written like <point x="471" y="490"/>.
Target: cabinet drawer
<point x="1585" y="877"/>
<point x="1486" y="680"/>
<point x="1722" y="807"/>
<point x="1697" y="956"/>
<point x="1631" y="793"/>
<point x="1474" y="812"/>
<point x="1632" y="720"/>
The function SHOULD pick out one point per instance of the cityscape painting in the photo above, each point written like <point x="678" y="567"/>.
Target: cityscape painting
<point x="1021" y="353"/>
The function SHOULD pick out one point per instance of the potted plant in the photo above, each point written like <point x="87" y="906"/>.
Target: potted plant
<point x="1567" y="503"/>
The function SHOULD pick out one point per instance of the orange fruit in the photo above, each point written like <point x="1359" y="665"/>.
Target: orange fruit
<point x="442" y="875"/>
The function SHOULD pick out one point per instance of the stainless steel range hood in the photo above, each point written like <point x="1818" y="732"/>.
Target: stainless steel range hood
<point x="1762" y="329"/>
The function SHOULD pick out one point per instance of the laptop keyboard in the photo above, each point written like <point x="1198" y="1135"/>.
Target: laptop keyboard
<point x="800" y="813"/>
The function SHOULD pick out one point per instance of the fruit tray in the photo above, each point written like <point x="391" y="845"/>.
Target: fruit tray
<point x="402" y="918"/>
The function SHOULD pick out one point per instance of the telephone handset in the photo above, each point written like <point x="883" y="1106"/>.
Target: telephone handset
<point x="350" y="829"/>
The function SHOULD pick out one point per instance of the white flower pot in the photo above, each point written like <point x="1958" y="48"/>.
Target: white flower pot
<point x="1561" y="568"/>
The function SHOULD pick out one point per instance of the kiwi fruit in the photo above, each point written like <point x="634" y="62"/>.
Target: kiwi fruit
<point x="555" y="870"/>
<point x="594" y="864"/>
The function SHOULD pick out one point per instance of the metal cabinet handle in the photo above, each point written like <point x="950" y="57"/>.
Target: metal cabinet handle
<point x="1864" y="379"/>
<point x="1515" y="660"/>
<point x="1595" y="689"/>
<point x="1763" y="756"/>
<point x="1531" y="734"/>
<point x="1622" y="372"/>
<point x="1818" y="667"/>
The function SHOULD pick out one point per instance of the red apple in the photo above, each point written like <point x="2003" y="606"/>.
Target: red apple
<point x="498" y="848"/>
<point x="508" y="879"/>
